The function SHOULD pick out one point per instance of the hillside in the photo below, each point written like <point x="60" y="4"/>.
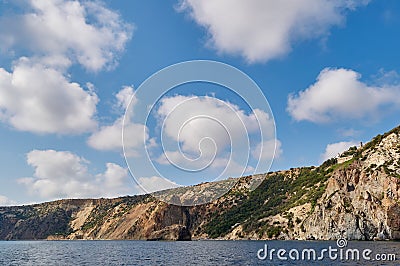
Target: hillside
<point x="357" y="198"/>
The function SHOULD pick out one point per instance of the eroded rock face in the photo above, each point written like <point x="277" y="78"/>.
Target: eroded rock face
<point x="173" y="232"/>
<point x="354" y="213"/>
<point x="360" y="201"/>
<point x="393" y="221"/>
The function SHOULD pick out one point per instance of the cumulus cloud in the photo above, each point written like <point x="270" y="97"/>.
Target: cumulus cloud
<point x="113" y="179"/>
<point x="85" y="31"/>
<point x="154" y="183"/>
<point x="339" y="94"/>
<point x="4" y="201"/>
<point x="109" y="137"/>
<point x="332" y="150"/>
<point x="201" y="132"/>
<point x="125" y="96"/>
<point x="39" y="99"/>
<point x="261" y="30"/>
<point x="264" y="150"/>
<point x="192" y="118"/>
<point x="62" y="174"/>
<point x="37" y="95"/>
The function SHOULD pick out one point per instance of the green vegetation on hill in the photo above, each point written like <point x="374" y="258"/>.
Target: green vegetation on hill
<point x="377" y="139"/>
<point x="276" y="194"/>
<point x="34" y="222"/>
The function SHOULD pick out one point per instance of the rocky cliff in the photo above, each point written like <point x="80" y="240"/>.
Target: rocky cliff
<point x="361" y="200"/>
<point x="357" y="198"/>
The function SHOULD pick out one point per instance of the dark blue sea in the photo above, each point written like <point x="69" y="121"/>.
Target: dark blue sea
<point x="198" y="253"/>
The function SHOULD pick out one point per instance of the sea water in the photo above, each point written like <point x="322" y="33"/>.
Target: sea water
<point x="197" y="253"/>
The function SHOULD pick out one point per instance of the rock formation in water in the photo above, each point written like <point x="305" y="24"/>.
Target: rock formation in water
<point x="355" y="196"/>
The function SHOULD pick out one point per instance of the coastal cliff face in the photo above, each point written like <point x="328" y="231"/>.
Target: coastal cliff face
<point x="361" y="200"/>
<point x="357" y="198"/>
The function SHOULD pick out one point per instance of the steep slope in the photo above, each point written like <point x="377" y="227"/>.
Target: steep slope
<point x="357" y="198"/>
<point x="361" y="200"/>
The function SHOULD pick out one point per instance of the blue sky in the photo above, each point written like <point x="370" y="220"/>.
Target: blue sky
<point x="329" y="70"/>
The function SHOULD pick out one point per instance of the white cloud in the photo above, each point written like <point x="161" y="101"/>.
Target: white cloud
<point x="155" y="183"/>
<point x="260" y="30"/>
<point x="232" y="168"/>
<point x="200" y="132"/>
<point x="349" y="132"/>
<point x="62" y="174"/>
<point x="332" y="150"/>
<point x="109" y="137"/>
<point x="85" y="31"/>
<point x="37" y="96"/>
<point x="4" y="201"/>
<point x="265" y="150"/>
<point x="339" y="94"/>
<point x="191" y="119"/>
<point x="125" y="96"/>
<point x="39" y="99"/>
<point x="113" y="179"/>
<point x="229" y="166"/>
